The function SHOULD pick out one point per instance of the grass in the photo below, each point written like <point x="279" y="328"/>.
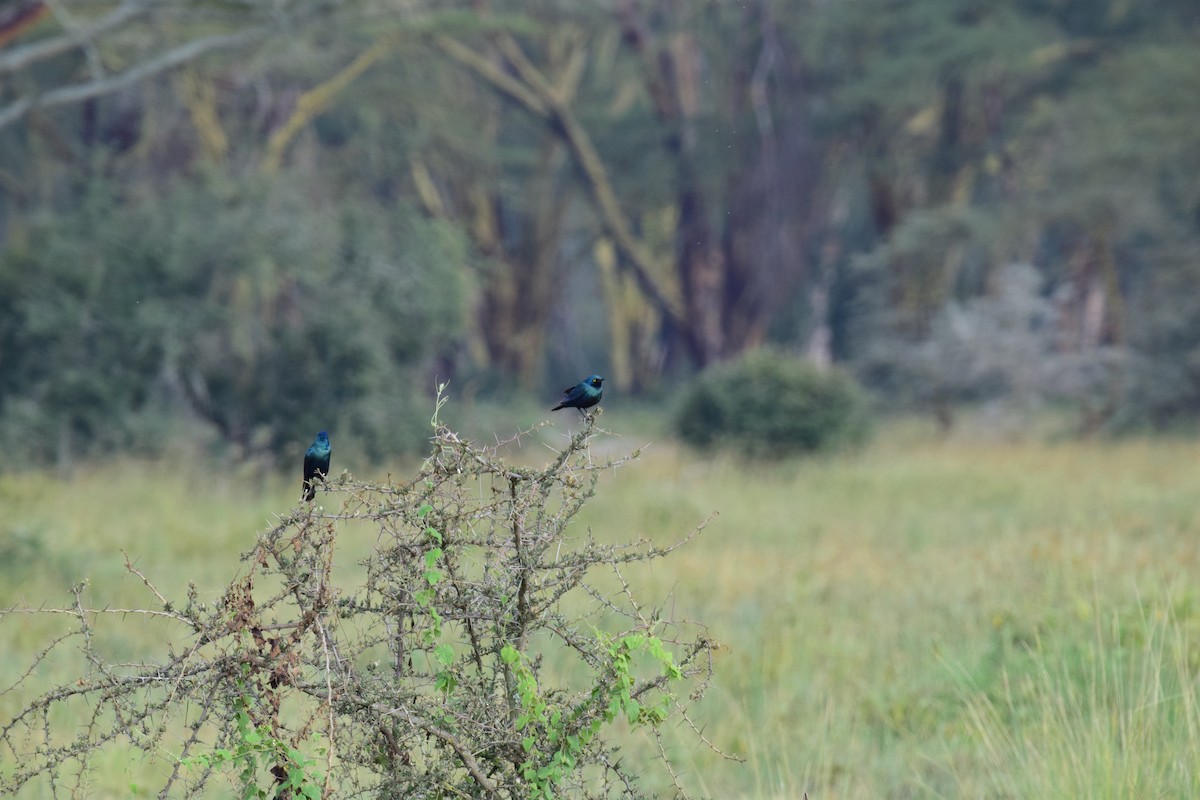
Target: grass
<point x="920" y="619"/>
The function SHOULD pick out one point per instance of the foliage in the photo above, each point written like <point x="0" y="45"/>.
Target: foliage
<point x="1004" y="348"/>
<point x="1151" y="226"/>
<point x="245" y="306"/>
<point x="772" y="404"/>
<point x="426" y="676"/>
<point x="651" y="186"/>
<point x="255" y="748"/>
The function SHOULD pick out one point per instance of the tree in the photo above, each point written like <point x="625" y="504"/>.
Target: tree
<point x="717" y="287"/>
<point x="649" y="187"/>
<point x="247" y="306"/>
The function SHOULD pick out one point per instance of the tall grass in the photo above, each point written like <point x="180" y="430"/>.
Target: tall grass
<point x="920" y="619"/>
<point x="1119" y="719"/>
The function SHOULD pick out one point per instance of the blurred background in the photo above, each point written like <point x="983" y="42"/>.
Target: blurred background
<point x="234" y="223"/>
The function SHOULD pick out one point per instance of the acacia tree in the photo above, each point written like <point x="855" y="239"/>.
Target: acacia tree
<point x="716" y="249"/>
<point x="486" y="651"/>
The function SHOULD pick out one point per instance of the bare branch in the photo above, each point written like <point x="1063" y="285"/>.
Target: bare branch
<point x="161" y="63"/>
<point x="21" y="57"/>
<point x="319" y="98"/>
<point x="492" y="73"/>
<point x="463" y="753"/>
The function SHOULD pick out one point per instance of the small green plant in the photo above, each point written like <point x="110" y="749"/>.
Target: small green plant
<point x="254" y="750"/>
<point x="554" y="739"/>
<point x="771" y="404"/>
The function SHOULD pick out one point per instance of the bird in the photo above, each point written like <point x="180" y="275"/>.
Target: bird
<point x="316" y="464"/>
<point x="584" y="394"/>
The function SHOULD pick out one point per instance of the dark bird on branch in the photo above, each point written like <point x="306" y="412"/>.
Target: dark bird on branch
<point x="316" y="464"/>
<point x="584" y="394"/>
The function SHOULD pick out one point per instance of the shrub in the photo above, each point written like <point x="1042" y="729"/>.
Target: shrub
<point x="1005" y="348"/>
<point x="771" y="404"/>
<point x="468" y="660"/>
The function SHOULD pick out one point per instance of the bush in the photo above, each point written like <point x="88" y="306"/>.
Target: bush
<point x="467" y="660"/>
<point x="771" y="404"/>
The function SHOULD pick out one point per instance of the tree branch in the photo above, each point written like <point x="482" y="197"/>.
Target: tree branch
<point x="538" y="96"/>
<point x="492" y="74"/>
<point x="319" y="98"/>
<point x="589" y="161"/>
<point x="21" y="57"/>
<point x="95" y="88"/>
<point x="458" y="747"/>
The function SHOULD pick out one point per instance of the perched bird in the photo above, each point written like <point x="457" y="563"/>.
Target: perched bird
<point x="316" y="464"/>
<point x="584" y="394"/>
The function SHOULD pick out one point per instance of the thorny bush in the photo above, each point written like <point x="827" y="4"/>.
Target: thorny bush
<point x="484" y="655"/>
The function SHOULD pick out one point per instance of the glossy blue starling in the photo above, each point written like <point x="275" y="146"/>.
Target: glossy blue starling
<point x="316" y="464"/>
<point x="584" y="394"/>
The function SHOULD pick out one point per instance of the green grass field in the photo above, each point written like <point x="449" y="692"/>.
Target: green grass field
<point x="920" y="619"/>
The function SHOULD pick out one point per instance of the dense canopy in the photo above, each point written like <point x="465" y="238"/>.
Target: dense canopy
<point x="264" y="219"/>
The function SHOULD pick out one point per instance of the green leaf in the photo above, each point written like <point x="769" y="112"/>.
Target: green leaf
<point x="424" y="510"/>
<point x="614" y="708"/>
<point x="631" y="709"/>
<point x="509" y="654"/>
<point x="445" y="682"/>
<point x="444" y="653"/>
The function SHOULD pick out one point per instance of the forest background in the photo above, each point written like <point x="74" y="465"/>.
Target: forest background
<point x="244" y="222"/>
<point x="225" y="225"/>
